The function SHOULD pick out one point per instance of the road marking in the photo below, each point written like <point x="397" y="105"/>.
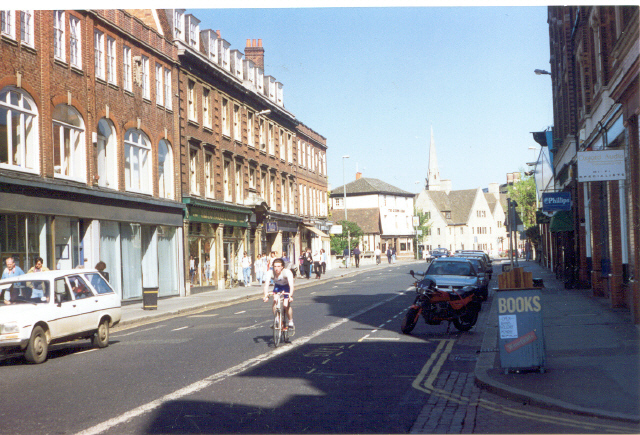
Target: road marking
<point x="311" y="371"/>
<point x="256" y="326"/>
<point x="178" y="329"/>
<point x="380" y="338"/>
<point x="205" y="315"/>
<point x="221" y="376"/>
<point x="135" y="332"/>
<point x="241" y="312"/>
<point x="84" y="351"/>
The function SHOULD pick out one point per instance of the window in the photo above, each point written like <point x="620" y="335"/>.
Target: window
<point x="250" y="133"/>
<point x="209" y="175"/>
<point x="263" y="185"/>
<point x="18" y="130"/>
<point x="227" y="180"/>
<point x="283" y="189"/>
<point x="165" y="170"/>
<point x="272" y="191"/>
<point x="238" y="180"/>
<point x="26" y="27"/>
<point x="145" y="78"/>
<point x="194" y="171"/>
<point x="137" y="161"/>
<point x="206" y="108"/>
<point x="7" y="25"/>
<point x="126" y="68"/>
<point x="58" y="37"/>
<point x="270" y="139"/>
<point x="252" y="178"/>
<point x="289" y="148"/>
<point x="191" y="100"/>
<point x="281" y="149"/>
<point x="226" y="126"/>
<point x="69" y="159"/>
<point x="98" y="46"/>
<point x="178" y="23"/>
<point x="236" y="123"/>
<point x="105" y="155"/>
<point x="159" y="87"/>
<point x="111" y="61"/>
<point x="167" y="88"/>
<point x="263" y="146"/>
<point x="291" y="196"/>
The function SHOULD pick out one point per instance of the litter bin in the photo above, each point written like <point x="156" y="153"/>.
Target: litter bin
<point x="150" y="298"/>
<point x="520" y="329"/>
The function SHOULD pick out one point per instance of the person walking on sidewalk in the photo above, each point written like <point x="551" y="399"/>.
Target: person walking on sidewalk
<point x="316" y="264"/>
<point x="246" y="269"/>
<point x="389" y="254"/>
<point x="323" y="261"/>
<point x="393" y="254"/>
<point x="346" y="254"/>
<point x="378" y="254"/>
<point x="308" y="261"/>
<point x="356" y="255"/>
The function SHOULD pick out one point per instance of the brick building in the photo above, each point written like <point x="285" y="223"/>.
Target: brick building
<point x="88" y="136"/>
<point x="594" y="71"/>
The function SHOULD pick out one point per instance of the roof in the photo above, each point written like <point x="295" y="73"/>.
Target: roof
<point x="368" y="219"/>
<point x="368" y="186"/>
<point x="458" y="202"/>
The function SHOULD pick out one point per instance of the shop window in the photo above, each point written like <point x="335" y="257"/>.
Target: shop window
<point x="165" y="170"/>
<point x="18" y="131"/>
<point x="106" y="155"/>
<point x="69" y="155"/>
<point x="137" y="161"/>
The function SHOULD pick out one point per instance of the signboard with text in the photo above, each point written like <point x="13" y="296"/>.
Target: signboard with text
<point x="556" y="201"/>
<point x="601" y="166"/>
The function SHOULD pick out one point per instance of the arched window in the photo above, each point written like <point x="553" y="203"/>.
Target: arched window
<point x="165" y="170"/>
<point x="137" y="161"/>
<point x="69" y="156"/>
<point x="105" y="155"/>
<point x="18" y="130"/>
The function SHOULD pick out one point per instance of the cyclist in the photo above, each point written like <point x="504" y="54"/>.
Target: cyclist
<point x="283" y="282"/>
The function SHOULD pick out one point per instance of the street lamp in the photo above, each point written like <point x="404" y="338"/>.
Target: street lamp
<point x="541" y="72"/>
<point x="344" y="190"/>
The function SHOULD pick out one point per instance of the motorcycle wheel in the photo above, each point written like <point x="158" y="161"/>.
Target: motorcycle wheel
<point x="409" y="321"/>
<point x="466" y="321"/>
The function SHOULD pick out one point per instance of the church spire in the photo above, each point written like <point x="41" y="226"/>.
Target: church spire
<point x="433" y="176"/>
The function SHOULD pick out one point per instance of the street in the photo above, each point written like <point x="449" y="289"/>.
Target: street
<point x="348" y="369"/>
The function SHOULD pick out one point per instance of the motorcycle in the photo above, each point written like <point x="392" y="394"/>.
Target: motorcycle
<point x="458" y="307"/>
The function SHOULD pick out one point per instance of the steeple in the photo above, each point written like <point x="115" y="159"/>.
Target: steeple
<point x="433" y="176"/>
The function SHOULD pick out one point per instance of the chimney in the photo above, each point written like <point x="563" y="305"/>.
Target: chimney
<point x="254" y="52"/>
<point x="358" y="175"/>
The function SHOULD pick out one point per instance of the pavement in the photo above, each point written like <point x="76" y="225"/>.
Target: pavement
<point x="592" y="351"/>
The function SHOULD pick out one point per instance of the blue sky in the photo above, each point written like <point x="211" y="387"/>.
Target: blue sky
<point x="374" y="80"/>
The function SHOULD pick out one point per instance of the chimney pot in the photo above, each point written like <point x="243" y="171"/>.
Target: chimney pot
<point x="248" y="43"/>
<point x="253" y="43"/>
<point x="259" y="42"/>
<point x="218" y="33"/>
<point x="358" y="175"/>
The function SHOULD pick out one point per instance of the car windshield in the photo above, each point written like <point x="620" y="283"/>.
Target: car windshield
<point x="450" y="268"/>
<point x="34" y="291"/>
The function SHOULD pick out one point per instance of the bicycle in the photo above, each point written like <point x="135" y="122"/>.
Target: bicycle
<point x="280" y="326"/>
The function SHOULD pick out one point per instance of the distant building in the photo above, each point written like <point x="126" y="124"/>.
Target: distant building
<point x="382" y="211"/>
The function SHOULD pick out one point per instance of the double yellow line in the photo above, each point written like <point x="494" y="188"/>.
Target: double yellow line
<point x="425" y="382"/>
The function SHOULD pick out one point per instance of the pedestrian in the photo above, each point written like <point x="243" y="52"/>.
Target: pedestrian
<point x="317" y="257"/>
<point x="346" y="254"/>
<point x="356" y="255"/>
<point x="308" y="261"/>
<point x="389" y="254"/>
<point x="38" y="290"/>
<point x="377" y="253"/>
<point x="246" y="269"/>
<point x="12" y="270"/>
<point x="393" y="254"/>
<point x="207" y="267"/>
<point x="101" y="267"/>
<point x="192" y="268"/>
<point x="38" y="267"/>
<point x="323" y="261"/>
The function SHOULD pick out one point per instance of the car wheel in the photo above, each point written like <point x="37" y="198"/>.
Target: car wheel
<point x="38" y="346"/>
<point x="101" y="337"/>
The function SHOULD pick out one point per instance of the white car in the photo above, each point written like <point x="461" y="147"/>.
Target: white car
<point x="39" y="309"/>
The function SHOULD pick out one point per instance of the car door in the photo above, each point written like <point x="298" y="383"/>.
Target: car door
<point x="64" y="312"/>
<point x="87" y="303"/>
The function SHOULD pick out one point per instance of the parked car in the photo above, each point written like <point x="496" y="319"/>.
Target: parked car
<point x="453" y="274"/>
<point x="483" y="272"/>
<point x="39" y="309"/>
<point x="483" y="254"/>
<point x="440" y="252"/>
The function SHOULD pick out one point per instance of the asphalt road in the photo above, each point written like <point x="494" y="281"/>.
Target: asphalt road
<point x="348" y="369"/>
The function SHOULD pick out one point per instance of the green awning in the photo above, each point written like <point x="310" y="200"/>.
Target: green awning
<point x="561" y="221"/>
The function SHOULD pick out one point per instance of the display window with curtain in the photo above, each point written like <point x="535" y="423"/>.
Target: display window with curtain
<point x="25" y="238"/>
<point x="202" y="254"/>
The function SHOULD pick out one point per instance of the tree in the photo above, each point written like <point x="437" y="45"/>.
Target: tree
<point x="341" y="241"/>
<point x="524" y="193"/>
<point x="423" y="226"/>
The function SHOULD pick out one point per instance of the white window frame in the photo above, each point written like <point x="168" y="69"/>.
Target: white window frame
<point x="59" y="35"/>
<point x="165" y="172"/>
<point x="137" y="152"/>
<point x="207" y="117"/>
<point x="251" y="140"/>
<point x="105" y="156"/>
<point x="146" y="91"/>
<point x="191" y="100"/>
<point x="98" y="49"/>
<point x="272" y="190"/>
<point x="168" y="97"/>
<point x="226" y="121"/>
<point x="291" y="197"/>
<point x="194" y="170"/>
<point x="73" y="164"/>
<point x="75" y="42"/>
<point x="26" y="27"/>
<point x="112" y="76"/>
<point x="127" y="71"/>
<point x="159" y="86"/>
<point x="263" y="144"/>
<point x="226" y="172"/>
<point x="281" y="148"/>
<point x="237" y="135"/>
<point x="289" y="148"/>
<point x="7" y="23"/>
<point x="270" y="140"/>
<point x="23" y="148"/>
<point x="238" y="181"/>
<point x="252" y="177"/>
<point x="209" y="175"/>
<point x="178" y="24"/>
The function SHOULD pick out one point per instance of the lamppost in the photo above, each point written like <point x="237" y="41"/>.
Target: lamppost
<point x="344" y="190"/>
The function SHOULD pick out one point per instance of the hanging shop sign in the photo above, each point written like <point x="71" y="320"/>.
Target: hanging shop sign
<point x="556" y="201"/>
<point x="271" y="226"/>
<point x="601" y="165"/>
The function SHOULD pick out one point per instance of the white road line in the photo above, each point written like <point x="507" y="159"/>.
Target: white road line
<point x="205" y="315"/>
<point x="221" y="376"/>
<point x="135" y="332"/>
<point x="178" y="329"/>
<point x="240" y="312"/>
<point x="381" y="338"/>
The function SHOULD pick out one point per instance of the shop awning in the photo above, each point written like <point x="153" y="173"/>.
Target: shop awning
<point x="561" y="221"/>
<point x="317" y="232"/>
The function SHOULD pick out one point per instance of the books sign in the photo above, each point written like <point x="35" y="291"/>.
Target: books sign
<point x="601" y="166"/>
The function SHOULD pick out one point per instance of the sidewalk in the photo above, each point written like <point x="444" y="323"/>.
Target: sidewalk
<point x="135" y="314"/>
<point x="592" y="355"/>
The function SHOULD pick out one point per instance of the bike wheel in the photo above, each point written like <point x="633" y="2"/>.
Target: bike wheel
<point x="277" y="328"/>
<point x="409" y="321"/>
<point x="285" y="330"/>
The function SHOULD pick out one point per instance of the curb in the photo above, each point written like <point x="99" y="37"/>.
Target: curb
<point x="486" y="361"/>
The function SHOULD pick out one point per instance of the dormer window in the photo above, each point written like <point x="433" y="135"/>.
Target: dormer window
<point x="236" y="64"/>
<point x="210" y="39"/>
<point x="249" y="72"/>
<point x="270" y="87"/>
<point x="178" y="24"/>
<point x="193" y="31"/>
<point x="225" y="55"/>
<point x="279" y="94"/>
<point x="260" y="80"/>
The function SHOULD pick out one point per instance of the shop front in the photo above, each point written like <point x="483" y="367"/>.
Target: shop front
<point x="217" y="237"/>
<point x="280" y="234"/>
<point x="75" y="227"/>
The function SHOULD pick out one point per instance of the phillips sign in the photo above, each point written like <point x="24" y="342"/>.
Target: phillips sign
<point x="556" y="201"/>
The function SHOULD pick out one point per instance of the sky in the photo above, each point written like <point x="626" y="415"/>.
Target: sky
<point x="373" y="81"/>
